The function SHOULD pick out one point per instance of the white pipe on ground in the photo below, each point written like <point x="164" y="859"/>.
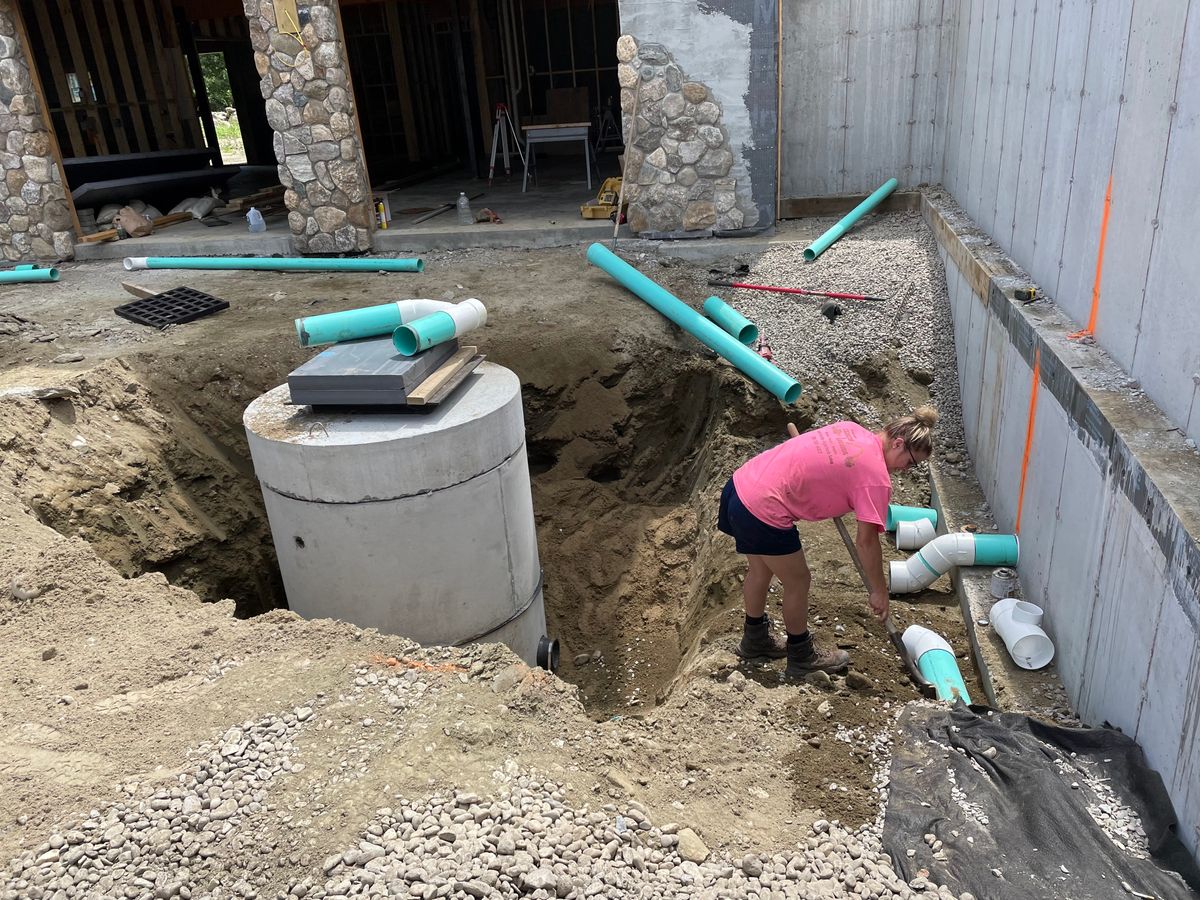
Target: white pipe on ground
<point x="1019" y="625"/>
<point x="931" y="562"/>
<point x="915" y="534"/>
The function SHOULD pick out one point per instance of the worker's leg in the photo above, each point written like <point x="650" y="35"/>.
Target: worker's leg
<point x="793" y="573"/>
<point x="756" y="585"/>
<point x="803" y="655"/>
<point x="757" y="637"/>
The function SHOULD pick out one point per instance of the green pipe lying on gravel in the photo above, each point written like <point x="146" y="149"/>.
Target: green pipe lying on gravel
<point x="731" y="320"/>
<point x="821" y="244"/>
<point x="275" y="264"/>
<point x="772" y="378"/>
<point x="28" y="273"/>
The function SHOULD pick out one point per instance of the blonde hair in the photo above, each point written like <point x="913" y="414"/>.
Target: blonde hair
<point x="915" y="430"/>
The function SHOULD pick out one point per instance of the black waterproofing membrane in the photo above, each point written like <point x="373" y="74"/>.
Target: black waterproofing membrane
<point x="995" y="789"/>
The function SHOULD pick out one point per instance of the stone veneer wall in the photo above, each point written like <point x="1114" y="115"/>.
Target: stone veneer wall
<point x="34" y="218"/>
<point x="680" y="162"/>
<point x="310" y="105"/>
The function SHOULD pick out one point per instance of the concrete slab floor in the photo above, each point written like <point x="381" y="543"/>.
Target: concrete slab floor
<point x="545" y="215"/>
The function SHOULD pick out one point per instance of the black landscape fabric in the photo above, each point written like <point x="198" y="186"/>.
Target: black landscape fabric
<point x="996" y="790"/>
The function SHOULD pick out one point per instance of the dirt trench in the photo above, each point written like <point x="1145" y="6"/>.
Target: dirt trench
<point x="632" y="430"/>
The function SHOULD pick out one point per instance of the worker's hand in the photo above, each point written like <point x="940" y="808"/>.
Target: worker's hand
<point x="879" y="605"/>
<point x="793" y="431"/>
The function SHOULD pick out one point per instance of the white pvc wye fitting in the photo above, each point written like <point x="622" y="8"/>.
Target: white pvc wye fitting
<point x="419" y="308"/>
<point x="931" y="562"/>
<point x="915" y="534"/>
<point x="919" y="640"/>
<point x="1019" y="625"/>
<point x="467" y="315"/>
<point x="136" y="262"/>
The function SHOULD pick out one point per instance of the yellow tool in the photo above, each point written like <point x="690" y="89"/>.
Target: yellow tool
<point x="605" y="203"/>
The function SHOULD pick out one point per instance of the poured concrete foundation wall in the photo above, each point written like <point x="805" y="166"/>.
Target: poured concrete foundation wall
<point x="863" y="94"/>
<point x="1102" y="491"/>
<point x="1046" y="101"/>
<point x="729" y="47"/>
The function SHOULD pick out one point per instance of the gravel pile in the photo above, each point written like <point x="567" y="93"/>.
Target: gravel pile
<point x="894" y="256"/>
<point x="156" y="843"/>
<point x="528" y="842"/>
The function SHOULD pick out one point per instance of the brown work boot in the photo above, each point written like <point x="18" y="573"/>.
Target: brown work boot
<point x="758" y="641"/>
<point x="807" y="657"/>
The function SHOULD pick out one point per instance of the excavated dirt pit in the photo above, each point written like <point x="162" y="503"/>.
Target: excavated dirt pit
<point x="138" y="451"/>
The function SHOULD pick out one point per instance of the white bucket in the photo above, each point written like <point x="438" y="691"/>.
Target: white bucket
<point x="915" y="534"/>
<point x="1018" y="623"/>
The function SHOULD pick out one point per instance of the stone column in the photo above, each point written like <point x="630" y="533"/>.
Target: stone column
<point x="306" y="85"/>
<point x="35" y="221"/>
<point x="680" y="167"/>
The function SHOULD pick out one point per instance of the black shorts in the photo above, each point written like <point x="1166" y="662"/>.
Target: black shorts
<point x="751" y="535"/>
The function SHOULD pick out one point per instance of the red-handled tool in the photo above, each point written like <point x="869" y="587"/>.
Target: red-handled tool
<point x="785" y="290"/>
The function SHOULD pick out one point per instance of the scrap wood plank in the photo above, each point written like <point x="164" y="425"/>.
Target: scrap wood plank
<point x="446" y="377"/>
<point x="161" y="222"/>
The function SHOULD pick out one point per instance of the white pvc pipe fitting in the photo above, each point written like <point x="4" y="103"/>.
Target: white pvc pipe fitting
<point x="919" y="640"/>
<point x="931" y="562"/>
<point x="915" y="534"/>
<point x="468" y="314"/>
<point x="1019" y="625"/>
<point x="135" y="262"/>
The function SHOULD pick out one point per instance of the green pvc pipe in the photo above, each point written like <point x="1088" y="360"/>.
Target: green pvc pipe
<point x="941" y="670"/>
<point x="275" y="264"/>
<point x="423" y="333"/>
<point x="769" y="376"/>
<point x="348" y="325"/>
<point x="897" y="514"/>
<point x="28" y="273"/>
<point x="821" y="244"/>
<point x="997" y="549"/>
<point x="731" y="320"/>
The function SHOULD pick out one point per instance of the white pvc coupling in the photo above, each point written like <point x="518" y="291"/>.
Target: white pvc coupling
<point x="915" y="534"/>
<point x="931" y="562"/>
<point x="1019" y="625"/>
<point x="136" y="262"/>
<point x="468" y="314"/>
<point x="919" y="640"/>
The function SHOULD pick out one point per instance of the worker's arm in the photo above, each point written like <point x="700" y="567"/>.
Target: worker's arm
<point x="870" y="553"/>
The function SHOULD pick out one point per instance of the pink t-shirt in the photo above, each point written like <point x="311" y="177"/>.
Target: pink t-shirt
<point x="817" y="475"/>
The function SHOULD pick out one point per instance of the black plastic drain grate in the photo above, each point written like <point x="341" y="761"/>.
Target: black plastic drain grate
<point x="173" y="307"/>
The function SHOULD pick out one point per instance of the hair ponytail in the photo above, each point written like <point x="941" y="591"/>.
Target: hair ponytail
<point x="916" y="430"/>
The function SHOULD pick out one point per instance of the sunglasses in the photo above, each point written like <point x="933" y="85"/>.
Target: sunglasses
<point x="912" y="458"/>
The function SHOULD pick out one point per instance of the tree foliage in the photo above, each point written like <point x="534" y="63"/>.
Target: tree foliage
<point x="216" y="81"/>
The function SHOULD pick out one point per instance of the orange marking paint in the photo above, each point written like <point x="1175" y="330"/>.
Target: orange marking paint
<point x="1033" y="392"/>
<point x="1091" y="325"/>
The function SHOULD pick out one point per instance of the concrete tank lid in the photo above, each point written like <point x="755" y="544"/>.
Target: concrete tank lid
<point x="349" y="457"/>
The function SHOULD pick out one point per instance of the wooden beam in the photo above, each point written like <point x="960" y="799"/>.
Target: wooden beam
<point x="62" y="86"/>
<point x="400" y="63"/>
<point x="136" y="14"/>
<point x="161" y="222"/>
<point x="40" y="92"/>
<point x="428" y="390"/>
<point x="187" y="45"/>
<point x="176" y="60"/>
<point x="132" y="96"/>
<point x="354" y="119"/>
<point x="67" y="17"/>
<point x="485" y="113"/>
<point x="106" y="80"/>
